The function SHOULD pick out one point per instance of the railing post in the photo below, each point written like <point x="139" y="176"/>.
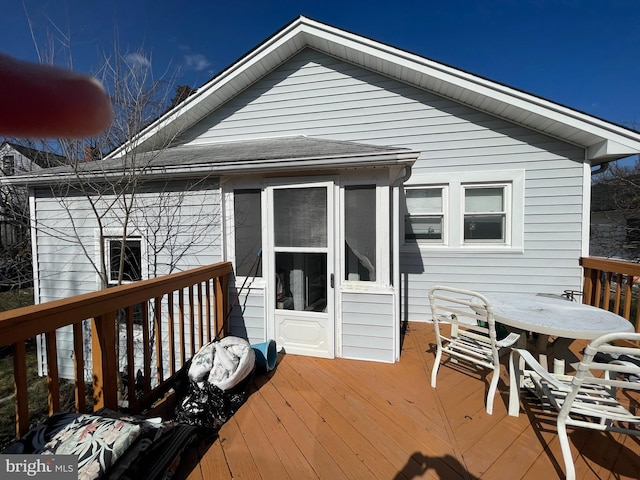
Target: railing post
<point x="105" y="361"/>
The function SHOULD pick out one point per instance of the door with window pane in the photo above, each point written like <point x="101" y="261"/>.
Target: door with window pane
<point x="301" y="256"/>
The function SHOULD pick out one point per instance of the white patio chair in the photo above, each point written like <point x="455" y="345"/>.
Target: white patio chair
<point x="473" y="333"/>
<point x="589" y="399"/>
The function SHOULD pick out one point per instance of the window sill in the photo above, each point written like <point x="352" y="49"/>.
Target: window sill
<point x="463" y="249"/>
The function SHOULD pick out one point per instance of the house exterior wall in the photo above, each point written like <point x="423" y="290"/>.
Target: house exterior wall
<point x="317" y="95"/>
<point x="66" y="247"/>
<point x="247" y="318"/>
<point x="368" y="330"/>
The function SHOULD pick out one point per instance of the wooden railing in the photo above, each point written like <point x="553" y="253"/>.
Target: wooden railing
<point x="612" y="285"/>
<point x="174" y="315"/>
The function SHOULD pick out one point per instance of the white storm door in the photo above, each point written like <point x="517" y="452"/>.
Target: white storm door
<point x="301" y="259"/>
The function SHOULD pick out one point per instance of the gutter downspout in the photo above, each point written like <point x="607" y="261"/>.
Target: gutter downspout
<point x="603" y="167"/>
<point x="395" y="190"/>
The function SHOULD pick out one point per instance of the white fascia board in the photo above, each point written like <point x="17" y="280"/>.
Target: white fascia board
<point x="608" y="149"/>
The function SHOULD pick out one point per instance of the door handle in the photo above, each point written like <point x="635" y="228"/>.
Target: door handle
<point x="332" y="281"/>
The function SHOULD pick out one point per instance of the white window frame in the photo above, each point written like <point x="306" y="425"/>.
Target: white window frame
<point x="115" y="234"/>
<point x="506" y="211"/>
<point x="453" y="206"/>
<point x="444" y="213"/>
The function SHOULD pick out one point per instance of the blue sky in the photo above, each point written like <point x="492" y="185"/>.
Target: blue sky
<point x="582" y="54"/>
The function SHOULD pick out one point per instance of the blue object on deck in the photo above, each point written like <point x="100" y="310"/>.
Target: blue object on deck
<point x="266" y="354"/>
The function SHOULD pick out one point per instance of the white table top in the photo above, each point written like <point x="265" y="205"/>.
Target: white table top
<point x="556" y="316"/>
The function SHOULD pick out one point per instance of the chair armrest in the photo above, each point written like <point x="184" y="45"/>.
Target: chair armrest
<point x="509" y="340"/>
<point x="530" y="360"/>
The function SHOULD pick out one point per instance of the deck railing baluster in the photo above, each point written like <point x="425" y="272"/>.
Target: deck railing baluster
<point x="104" y="309"/>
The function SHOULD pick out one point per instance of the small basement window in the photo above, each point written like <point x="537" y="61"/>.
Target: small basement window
<point x="131" y="260"/>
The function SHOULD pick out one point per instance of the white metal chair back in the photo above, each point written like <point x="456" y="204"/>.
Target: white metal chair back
<point x="472" y="337"/>
<point x="596" y="397"/>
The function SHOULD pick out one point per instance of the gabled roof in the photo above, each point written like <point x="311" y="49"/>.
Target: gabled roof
<point x="299" y="153"/>
<point x="603" y="141"/>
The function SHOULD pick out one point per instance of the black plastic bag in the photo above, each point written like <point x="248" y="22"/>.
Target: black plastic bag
<point x="208" y="407"/>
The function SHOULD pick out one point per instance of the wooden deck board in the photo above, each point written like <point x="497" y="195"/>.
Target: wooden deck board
<point x="319" y="418"/>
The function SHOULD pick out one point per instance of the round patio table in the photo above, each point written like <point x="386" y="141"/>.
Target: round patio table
<point x="550" y="315"/>
<point x="555" y="316"/>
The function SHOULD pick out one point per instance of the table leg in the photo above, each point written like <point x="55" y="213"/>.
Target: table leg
<point x="541" y="350"/>
<point x="562" y="354"/>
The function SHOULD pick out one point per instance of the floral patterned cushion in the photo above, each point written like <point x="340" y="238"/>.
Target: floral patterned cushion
<point x="97" y="441"/>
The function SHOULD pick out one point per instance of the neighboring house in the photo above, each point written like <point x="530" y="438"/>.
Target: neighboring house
<point x="15" y="160"/>
<point x="615" y="218"/>
<point x="15" y="254"/>
<point x="364" y="175"/>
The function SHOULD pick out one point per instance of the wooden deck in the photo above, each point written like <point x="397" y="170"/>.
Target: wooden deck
<point x="339" y="419"/>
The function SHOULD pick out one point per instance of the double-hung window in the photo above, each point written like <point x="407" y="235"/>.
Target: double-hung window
<point x="474" y="211"/>
<point x="485" y="213"/>
<point x="424" y="221"/>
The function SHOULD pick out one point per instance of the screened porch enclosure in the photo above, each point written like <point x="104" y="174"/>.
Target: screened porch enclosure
<point x="326" y="246"/>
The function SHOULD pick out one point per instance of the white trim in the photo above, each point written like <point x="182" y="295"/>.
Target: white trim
<point x="116" y="234"/>
<point x="269" y="252"/>
<point x="444" y="212"/>
<point x="382" y="235"/>
<point x="586" y="209"/>
<point x="507" y="211"/>
<point x="395" y="248"/>
<point x="34" y="246"/>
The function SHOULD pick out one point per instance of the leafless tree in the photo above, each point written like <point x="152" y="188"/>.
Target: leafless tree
<point x="615" y="212"/>
<point x="116" y="194"/>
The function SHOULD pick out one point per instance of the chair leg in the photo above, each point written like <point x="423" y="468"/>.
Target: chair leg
<point x="514" y="386"/>
<point x="436" y="365"/>
<point x="493" y="386"/>
<point x="570" y="471"/>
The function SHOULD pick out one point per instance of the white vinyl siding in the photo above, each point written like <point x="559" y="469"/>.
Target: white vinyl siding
<point x="368" y="332"/>
<point x="247" y="319"/>
<point x="182" y="230"/>
<point x="316" y="95"/>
